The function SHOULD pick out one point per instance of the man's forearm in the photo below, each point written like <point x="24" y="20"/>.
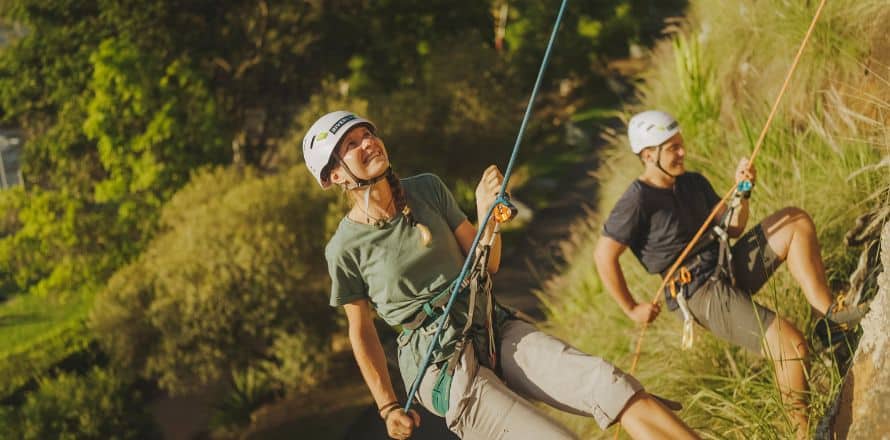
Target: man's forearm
<point x="614" y="282"/>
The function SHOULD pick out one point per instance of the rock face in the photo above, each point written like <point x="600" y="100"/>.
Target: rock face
<point x="864" y="411"/>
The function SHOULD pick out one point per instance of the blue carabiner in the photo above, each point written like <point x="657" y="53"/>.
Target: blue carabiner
<point x="743" y="189"/>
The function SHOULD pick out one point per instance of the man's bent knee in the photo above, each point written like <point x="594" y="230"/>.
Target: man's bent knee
<point x="793" y="215"/>
<point x="785" y="223"/>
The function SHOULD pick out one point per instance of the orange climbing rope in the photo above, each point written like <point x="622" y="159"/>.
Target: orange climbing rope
<point x="722" y="203"/>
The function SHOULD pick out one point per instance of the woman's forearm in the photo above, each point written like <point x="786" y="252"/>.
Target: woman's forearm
<point x="371" y="360"/>
<point x="494" y="255"/>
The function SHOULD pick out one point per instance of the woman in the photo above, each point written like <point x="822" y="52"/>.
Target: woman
<point x="402" y="243"/>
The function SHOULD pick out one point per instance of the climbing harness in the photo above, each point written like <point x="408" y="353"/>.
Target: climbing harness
<point x="733" y="190"/>
<point x="502" y="205"/>
<point x="433" y="315"/>
<point x="479" y="283"/>
<point x="683" y="283"/>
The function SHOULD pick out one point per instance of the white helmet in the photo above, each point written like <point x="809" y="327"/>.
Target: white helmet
<point x="650" y="129"/>
<point x="324" y="136"/>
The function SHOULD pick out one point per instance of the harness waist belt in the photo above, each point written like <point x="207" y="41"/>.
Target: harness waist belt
<point x="700" y="269"/>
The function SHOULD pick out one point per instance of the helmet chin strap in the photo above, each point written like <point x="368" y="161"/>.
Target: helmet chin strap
<point x="658" y="164"/>
<point x="365" y="183"/>
<point x="362" y="183"/>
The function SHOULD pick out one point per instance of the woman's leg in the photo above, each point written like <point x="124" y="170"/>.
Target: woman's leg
<point x="644" y="417"/>
<point x="544" y="368"/>
<point x="482" y="407"/>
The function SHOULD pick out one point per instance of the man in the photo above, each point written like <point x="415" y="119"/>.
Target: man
<point x="660" y="213"/>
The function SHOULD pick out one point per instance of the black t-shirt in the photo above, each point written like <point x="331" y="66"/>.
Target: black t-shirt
<point x="657" y="223"/>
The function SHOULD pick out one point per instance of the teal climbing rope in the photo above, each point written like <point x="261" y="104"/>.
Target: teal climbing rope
<point x="501" y="199"/>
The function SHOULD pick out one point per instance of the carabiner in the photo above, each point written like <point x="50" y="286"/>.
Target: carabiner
<point x="504" y="211"/>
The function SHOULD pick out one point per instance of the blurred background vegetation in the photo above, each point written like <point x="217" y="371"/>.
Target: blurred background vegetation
<point x="167" y="240"/>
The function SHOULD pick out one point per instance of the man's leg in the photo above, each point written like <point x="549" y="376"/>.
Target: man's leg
<point x="791" y="235"/>
<point x="787" y="348"/>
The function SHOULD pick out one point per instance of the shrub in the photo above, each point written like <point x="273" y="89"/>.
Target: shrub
<point x="237" y="265"/>
<point x="97" y="405"/>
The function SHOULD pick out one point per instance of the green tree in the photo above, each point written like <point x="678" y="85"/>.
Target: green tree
<point x="396" y="38"/>
<point x="592" y="32"/>
<point x="120" y="99"/>
<point x="152" y="123"/>
<point x="235" y="272"/>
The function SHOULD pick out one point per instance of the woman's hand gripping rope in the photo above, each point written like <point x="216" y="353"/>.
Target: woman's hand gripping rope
<point x="488" y="194"/>
<point x="400" y="424"/>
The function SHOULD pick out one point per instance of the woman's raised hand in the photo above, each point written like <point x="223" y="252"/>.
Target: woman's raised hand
<point x="487" y="190"/>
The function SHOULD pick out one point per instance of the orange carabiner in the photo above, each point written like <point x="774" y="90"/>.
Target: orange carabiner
<point x="685" y="277"/>
<point x="504" y="211"/>
<point x="682" y="277"/>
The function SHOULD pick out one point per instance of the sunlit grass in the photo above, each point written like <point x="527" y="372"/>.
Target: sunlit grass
<point x="26" y="317"/>
<point x="36" y="333"/>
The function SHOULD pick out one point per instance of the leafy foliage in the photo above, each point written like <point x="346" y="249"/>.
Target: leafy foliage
<point x="151" y="124"/>
<point x="227" y="278"/>
<point x="97" y="405"/>
<point x="592" y="32"/>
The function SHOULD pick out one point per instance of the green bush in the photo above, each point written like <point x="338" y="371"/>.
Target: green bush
<point x="247" y="391"/>
<point x="98" y="405"/>
<point x="299" y="360"/>
<point x="236" y="266"/>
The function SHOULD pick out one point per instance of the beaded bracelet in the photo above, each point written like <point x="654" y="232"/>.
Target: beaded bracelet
<point x="388" y="408"/>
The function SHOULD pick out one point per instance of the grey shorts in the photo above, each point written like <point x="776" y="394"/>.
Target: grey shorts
<point x="535" y="366"/>
<point x="730" y="312"/>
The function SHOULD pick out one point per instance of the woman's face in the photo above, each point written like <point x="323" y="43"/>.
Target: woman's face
<point x="364" y="154"/>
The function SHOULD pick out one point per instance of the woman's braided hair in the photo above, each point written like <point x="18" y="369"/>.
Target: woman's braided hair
<point x="401" y="202"/>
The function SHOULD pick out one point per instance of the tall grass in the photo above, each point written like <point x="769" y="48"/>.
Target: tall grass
<point x="719" y="74"/>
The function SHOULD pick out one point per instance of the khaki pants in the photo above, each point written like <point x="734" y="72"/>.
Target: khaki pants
<point x="535" y="366"/>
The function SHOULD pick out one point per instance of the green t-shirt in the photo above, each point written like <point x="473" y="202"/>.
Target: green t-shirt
<point x="389" y="265"/>
<point x="391" y="268"/>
